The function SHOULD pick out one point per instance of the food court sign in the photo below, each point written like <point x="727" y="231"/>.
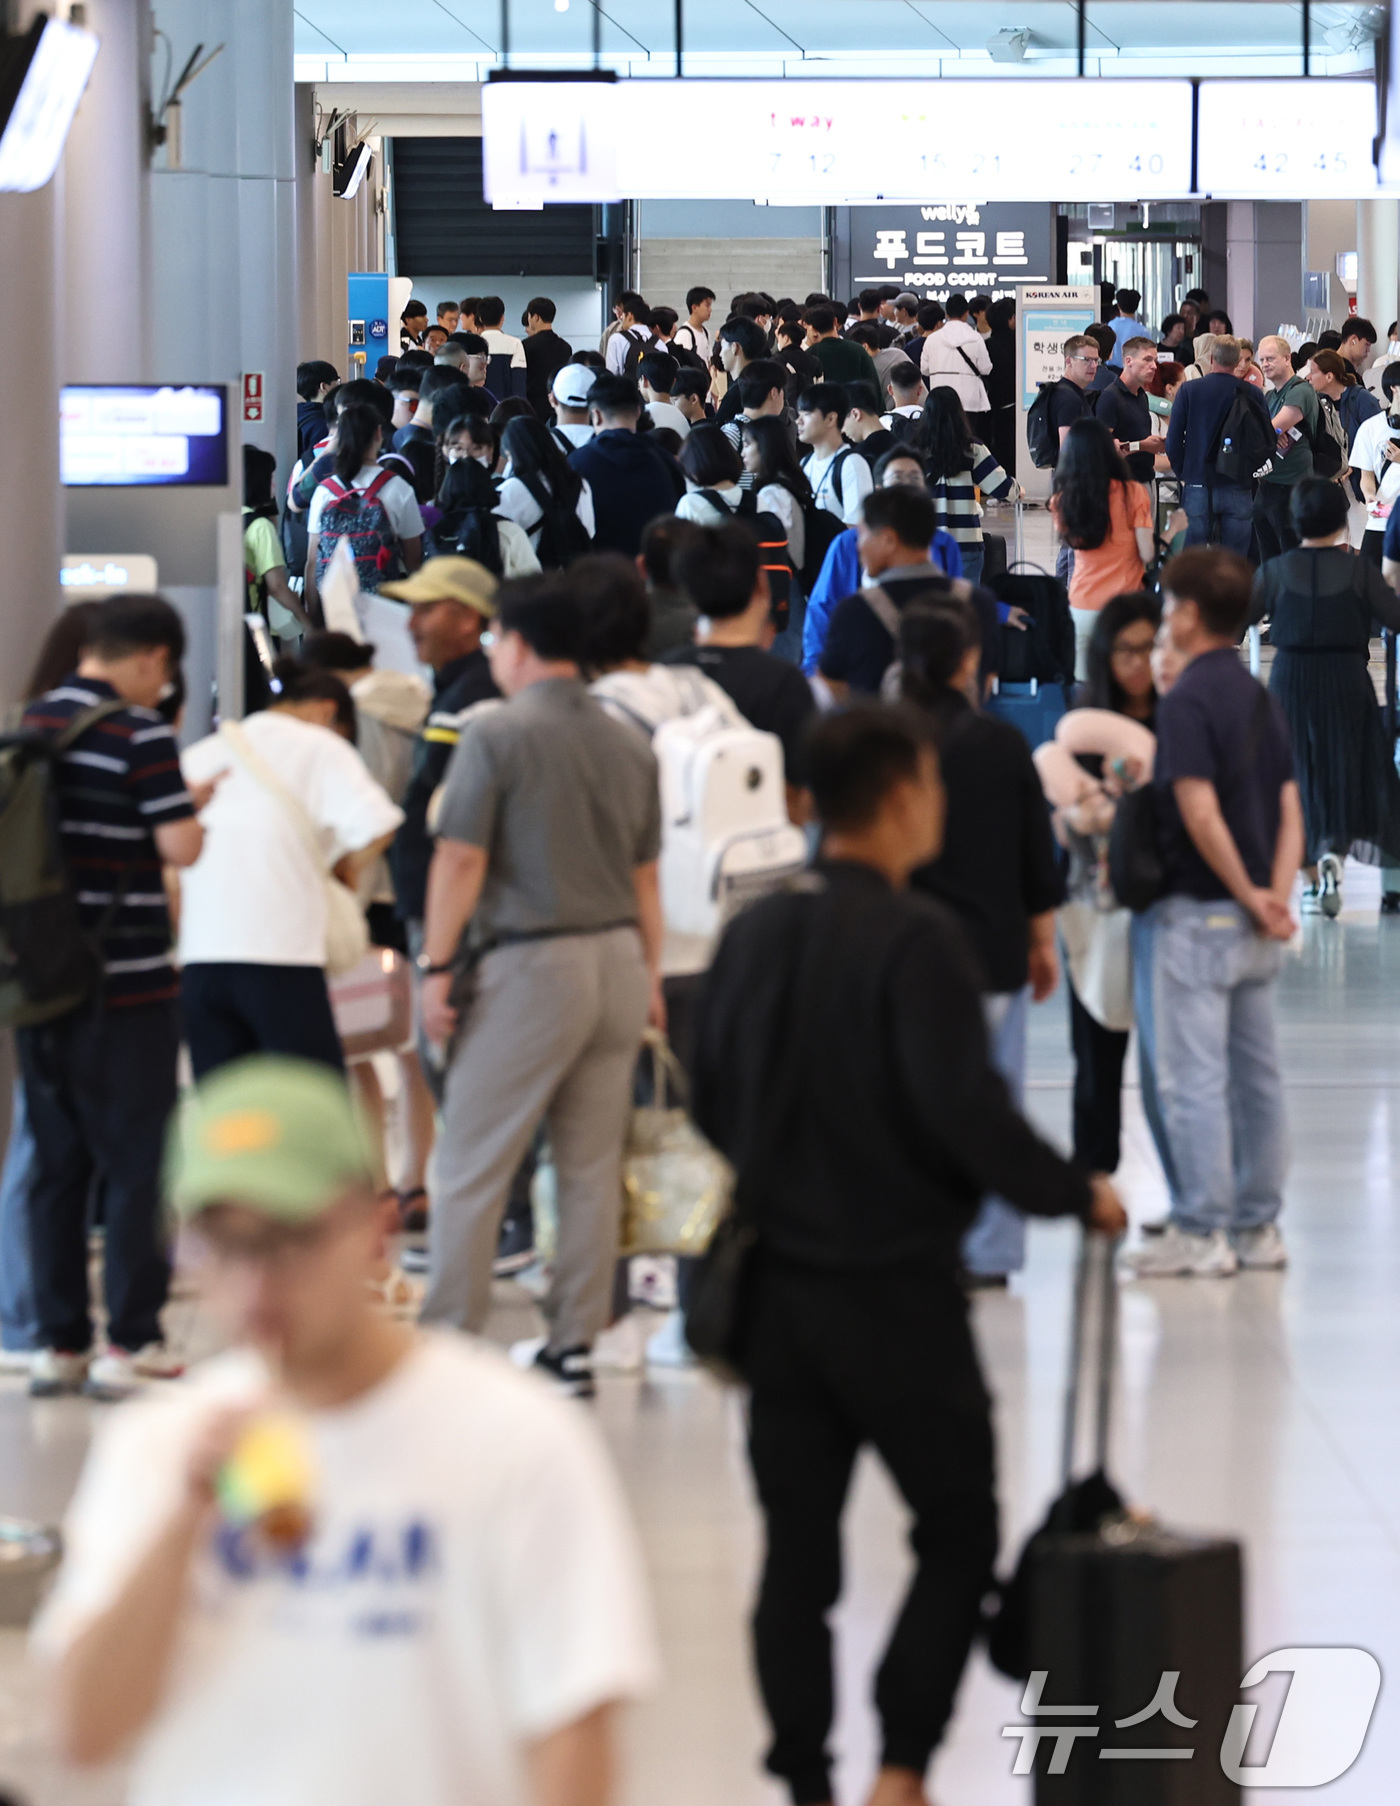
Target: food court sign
<point x="944" y="246"/>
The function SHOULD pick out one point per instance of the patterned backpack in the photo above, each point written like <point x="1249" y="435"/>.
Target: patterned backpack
<point x="359" y="516"/>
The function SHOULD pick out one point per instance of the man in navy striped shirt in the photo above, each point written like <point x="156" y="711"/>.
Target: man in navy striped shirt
<point x="100" y="1081"/>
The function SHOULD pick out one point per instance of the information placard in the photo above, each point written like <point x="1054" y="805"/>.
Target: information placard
<point x="1045" y="318"/>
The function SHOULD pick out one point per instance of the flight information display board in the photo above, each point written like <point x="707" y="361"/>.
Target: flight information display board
<point x="836" y="142"/>
<point x="1286" y="140"/>
<point x="125" y="436"/>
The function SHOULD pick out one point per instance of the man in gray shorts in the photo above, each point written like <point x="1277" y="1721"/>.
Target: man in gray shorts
<point x="541" y="967"/>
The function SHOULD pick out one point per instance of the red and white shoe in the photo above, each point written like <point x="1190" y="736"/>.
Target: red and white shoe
<point x="118" y="1372"/>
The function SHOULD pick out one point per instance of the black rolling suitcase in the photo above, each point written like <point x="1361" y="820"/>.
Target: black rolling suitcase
<point x="1112" y="1618"/>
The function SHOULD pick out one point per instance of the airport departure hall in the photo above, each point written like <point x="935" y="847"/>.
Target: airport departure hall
<point x="699" y="903"/>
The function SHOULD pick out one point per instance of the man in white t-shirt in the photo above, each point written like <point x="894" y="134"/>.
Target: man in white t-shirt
<point x="569" y="392"/>
<point x="633" y="331"/>
<point x="694" y="332"/>
<point x="344" y="1561"/>
<point x="1375" y="457"/>
<point x="840" y="478"/>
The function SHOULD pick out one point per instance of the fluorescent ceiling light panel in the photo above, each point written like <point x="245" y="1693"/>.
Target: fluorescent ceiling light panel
<point x="43" y="74"/>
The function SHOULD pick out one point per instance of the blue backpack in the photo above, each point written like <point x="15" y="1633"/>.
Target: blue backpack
<point x="359" y="516"/>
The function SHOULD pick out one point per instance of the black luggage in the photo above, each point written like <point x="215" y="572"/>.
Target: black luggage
<point x="993" y="556"/>
<point x="1113" y="1619"/>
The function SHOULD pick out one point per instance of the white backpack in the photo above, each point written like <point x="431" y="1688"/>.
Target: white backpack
<point x="725" y="835"/>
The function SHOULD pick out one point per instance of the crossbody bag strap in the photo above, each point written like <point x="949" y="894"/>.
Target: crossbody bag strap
<point x="262" y="773"/>
<point x="882" y="606"/>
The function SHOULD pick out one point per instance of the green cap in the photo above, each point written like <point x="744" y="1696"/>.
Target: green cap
<point x="276" y="1135"/>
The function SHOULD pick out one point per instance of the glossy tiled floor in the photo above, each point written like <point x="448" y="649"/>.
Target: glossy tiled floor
<point x="1263" y="1407"/>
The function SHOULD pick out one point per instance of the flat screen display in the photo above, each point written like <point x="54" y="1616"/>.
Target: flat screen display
<point x="835" y="142"/>
<point x="1286" y="140"/>
<point x="128" y="436"/>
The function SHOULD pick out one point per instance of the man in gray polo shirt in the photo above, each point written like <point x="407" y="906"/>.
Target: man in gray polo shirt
<point x="541" y="967"/>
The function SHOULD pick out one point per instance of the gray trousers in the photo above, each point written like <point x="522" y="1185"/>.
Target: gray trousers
<point x="1217" y="1064"/>
<point x="551" y="1035"/>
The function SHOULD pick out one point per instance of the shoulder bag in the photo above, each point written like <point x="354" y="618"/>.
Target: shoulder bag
<point x="347" y="934"/>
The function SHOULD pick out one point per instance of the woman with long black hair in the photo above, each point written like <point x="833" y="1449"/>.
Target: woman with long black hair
<point x="544" y="495"/>
<point x="264" y="562"/>
<point x="470" y="522"/>
<point x="1106" y="520"/>
<point x="780" y="483"/>
<point x="956" y="466"/>
<point x="1321" y="599"/>
<point x="374" y="509"/>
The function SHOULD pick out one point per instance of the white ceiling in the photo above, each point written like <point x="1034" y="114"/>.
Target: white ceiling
<point x="460" y="40"/>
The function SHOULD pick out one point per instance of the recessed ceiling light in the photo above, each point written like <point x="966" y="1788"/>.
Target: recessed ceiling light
<point x="561" y="6"/>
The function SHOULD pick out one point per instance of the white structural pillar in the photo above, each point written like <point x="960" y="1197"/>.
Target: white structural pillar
<point x="1378" y="262"/>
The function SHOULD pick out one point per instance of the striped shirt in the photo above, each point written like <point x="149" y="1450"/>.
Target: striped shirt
<point x="955" y="497"/>
<point x="116" y="783"/>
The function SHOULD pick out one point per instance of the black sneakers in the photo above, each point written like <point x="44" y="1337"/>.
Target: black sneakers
<point x="571" y="1369"/>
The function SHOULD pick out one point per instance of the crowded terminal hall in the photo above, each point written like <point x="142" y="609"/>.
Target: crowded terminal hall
<point x="699" y="892"/>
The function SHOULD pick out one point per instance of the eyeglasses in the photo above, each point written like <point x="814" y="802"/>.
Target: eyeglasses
<point x="1081" y="359"/>
<point x="1136" y="652"/>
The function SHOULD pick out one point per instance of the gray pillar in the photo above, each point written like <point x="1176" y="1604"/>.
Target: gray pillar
<point x="223" y="227"/>
<point x="106" y="217"/>
<point x="31" y="502"/>
<point x="1378" y="262"/>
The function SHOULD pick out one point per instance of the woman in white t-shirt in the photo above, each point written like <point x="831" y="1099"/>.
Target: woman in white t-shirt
<point x="780" y="481"/>
<point x="359" y="439"/>
<point x="1375" y="456"/>
<point x="253" y="909"/>
<point x="539" y="480"/>
<point x="712" y="469"/>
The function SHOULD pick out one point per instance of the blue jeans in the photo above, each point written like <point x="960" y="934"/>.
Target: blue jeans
<point x="996" y="1242"/>
<point x="1217" y="1064"/>
<point x="1143" y="941"/>
<point x="1223" y="504"/>
<point x="788" y="644"/>
<point x="972" y="557"/>
<point x="19" y="1323"/>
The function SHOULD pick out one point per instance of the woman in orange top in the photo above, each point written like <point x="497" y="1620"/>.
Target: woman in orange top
<point x="1106" y="520"/>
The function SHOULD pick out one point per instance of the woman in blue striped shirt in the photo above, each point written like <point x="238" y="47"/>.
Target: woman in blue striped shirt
<point x="957" y="466"/>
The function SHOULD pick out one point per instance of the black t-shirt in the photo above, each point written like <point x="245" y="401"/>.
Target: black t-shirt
<point x="768" y="692"/>
<point x="1128" y="417"/>
<point x="1217" y="723"/>
<point x="1067" y="404"/>
<point x="876" y="445"/>
<point x="859" y="650"/>
<point x="998" y="866"/>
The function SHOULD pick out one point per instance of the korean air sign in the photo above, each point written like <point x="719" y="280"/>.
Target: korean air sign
<point x="944" y="246"/>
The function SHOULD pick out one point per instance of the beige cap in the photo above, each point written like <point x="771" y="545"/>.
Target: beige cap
<point x="450" y="579"/>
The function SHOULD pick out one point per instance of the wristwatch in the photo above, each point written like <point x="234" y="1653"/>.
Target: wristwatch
<point x="425" y="965"/>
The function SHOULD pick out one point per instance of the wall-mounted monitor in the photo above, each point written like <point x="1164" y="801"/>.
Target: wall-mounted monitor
<point x="130" y="436"/>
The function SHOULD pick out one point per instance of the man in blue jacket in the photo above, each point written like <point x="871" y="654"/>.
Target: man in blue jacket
<point x="1193" y="435"/>
<point x="632" y="480"/>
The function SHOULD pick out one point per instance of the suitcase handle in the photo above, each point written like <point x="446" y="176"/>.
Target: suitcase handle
<point x="1095" y="1273"/>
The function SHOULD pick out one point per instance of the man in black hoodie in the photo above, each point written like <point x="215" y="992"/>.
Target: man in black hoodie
<point x="841" y="1064"/>
<point x="633" y="481"/>
<point x="315" y="380"/>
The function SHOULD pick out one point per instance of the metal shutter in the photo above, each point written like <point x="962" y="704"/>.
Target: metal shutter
<point x="444" y="226"/>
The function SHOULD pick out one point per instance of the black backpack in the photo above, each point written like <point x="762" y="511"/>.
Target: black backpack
<point x="1246" y="443"/>
<point x="1042" y="440"/>
<point x="1044" y="651"/>
<point x="904" y="427"/>
<point x="637" y="348"/>
<point x="478" y="536"/>
<point x="774" y="555"/>
<point x="562" y="535"/>
<point x="1331" y="448"/>
<point x="49" y="962"/>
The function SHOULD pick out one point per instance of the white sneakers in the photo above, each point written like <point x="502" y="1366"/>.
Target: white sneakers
<point x="1178" y="1254"/>
<point x="1261" y="1248"/>
<point x="111" y="1374"/>
<point x="667" y="1346"/>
